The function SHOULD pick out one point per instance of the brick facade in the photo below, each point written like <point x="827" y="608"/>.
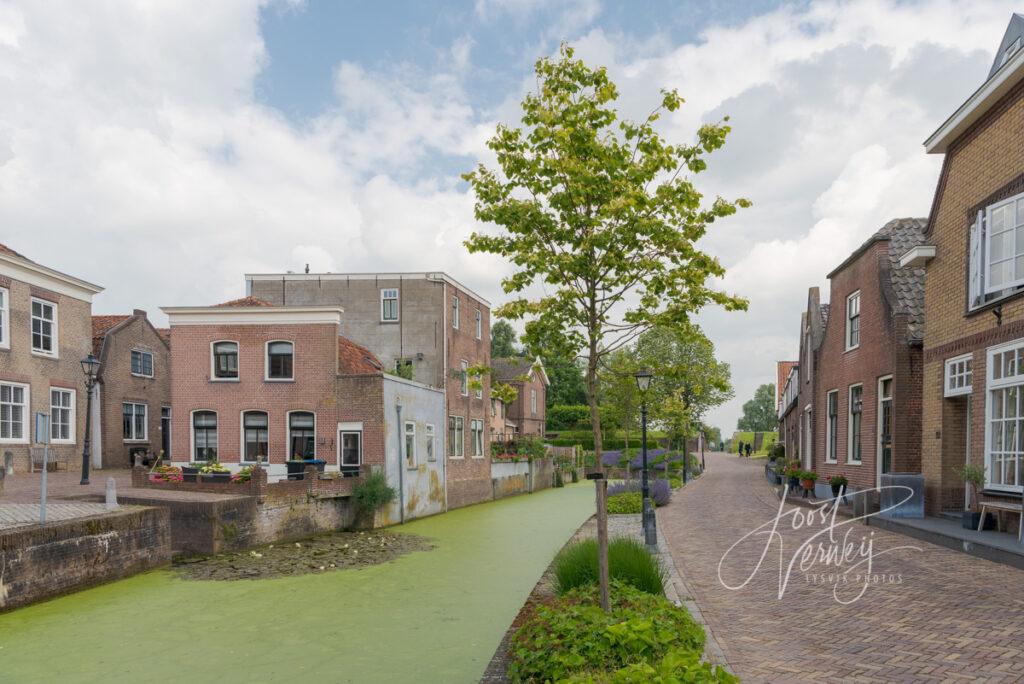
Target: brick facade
<point x="528" y="413"/>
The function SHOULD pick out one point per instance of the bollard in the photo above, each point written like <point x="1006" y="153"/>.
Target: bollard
<point x="3" y="474"/>
<point x="8" y="463"/>
<point x="111" y="494"/>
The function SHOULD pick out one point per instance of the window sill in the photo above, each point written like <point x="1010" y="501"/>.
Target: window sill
<point x="395" y="320"/>
<point x="456" y="458"/>
<point x="63" y="442"/>
<point x="45" y="355"/>
<point x="144" y="440"/>
<point x="14" y="441"/>
<point x="988" y="306"/>
<point x="828" y="462"/>
<point x="224" y="379"/>
<point x="850" y="349"/>
<point x="855" y="463"/>
<point x="278" y="379"/>
<point x="142" y="375"/>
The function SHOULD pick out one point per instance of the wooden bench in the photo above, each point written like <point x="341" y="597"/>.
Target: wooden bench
<point x="1000" y="507"/>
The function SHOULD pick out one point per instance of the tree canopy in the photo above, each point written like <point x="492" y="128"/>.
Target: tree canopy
<point x="759" y="413"/>
<point x="503" y="340"/>
<point x="602" y="213"/>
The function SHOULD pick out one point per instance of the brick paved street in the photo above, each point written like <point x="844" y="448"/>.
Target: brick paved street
<point x="18" y="515"/>
<point x="948" y="617"/>
<point x="24" y="487"/>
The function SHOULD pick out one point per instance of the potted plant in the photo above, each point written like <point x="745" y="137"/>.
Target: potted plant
<point x="793" y="473"/>
<point x="243" y="475"/>
<point x="165" y="473"/>
<point x="973" y="476"/>
<point x="807" y="478"/>
<point x="838" y="483"/>
<point x="213" y="471"/>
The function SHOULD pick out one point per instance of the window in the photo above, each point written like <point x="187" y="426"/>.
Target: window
<point x="351" y="448"/>
<point x="479" y="324"/>
<point x="255" y="436"/>
<point x="476" y="433"/>
<point x="831" y="426"/>
<point x="204" y="436"/>
<point x="494" y="407"/>
<point x="225" y="360"/>
<point x="853" y="453"/>
<point x="389" y="305"/>
<point x="533" y="401"/>
<point x="133" y="422"/>
<point x="958" y="375"/>
<point x="996" y="252"/>
<point x="142" y="363"/>
<point x="5" y="317"/>
<point x="431" y="455"/>
<point x="1004" y="444"/>
<point x="455" y="312"/>
<point x="455" y="436"/>
<point x="44" y="327"/>
<point x="853" y="321"/>
<point x="301" y="435"/>
<point x="62" y="415"/>
<point x="13" y="409"/>
<point x="410" y="444"/>
<point x="280" y="355"/>
<point x="464" y="378"/>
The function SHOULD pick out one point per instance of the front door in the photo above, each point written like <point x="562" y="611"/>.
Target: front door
<point x="884" y="427"/>
<point x="165" y="431"/>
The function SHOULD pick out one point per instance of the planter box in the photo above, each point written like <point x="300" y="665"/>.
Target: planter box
<point x="188" y="473"/>
<point x="297" y="468"/>
<point x="972" y="518"/>
<point x="216" y="477"/>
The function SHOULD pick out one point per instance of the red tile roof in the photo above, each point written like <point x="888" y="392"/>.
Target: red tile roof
<point x="4" y="249"/>
<point x="101" y="325"/>
<point x="246" y="301"/>
<point x="354" y="359"/>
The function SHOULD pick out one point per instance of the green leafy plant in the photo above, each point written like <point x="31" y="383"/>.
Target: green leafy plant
<point x="627" y="502"/>
<point x="629" y="562"/>
<point x="807" y="475"/>
<point x="838" y="480"/>
<point x="973" y="475"/>
<point x="243" y="475"/>
<point x="573" y="638"/>
<point x="373" y="493"/>
<point x="575" y="475"/>
<point x="214" y="467"/>
<point x="559" y="482"/>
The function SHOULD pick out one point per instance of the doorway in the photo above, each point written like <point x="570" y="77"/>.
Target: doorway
<point x="885" y="447"/>
<point x="165" y="431"/>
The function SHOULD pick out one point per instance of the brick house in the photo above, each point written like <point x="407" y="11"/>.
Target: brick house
<point x="255" y="382"/>
<point x="45" y="332"/>
<point x="528" y="413"/>
<point x="867" y="375"/>
<point x="134" y="389"/>
<point x="975" y="326"/>
<point x="502" y="428"/>
<point x="425" y="324"/>
<point x="787" y="391"/>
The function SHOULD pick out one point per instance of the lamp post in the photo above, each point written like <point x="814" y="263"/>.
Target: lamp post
<point x="643" y="381"/>
<point x="90" y="366"/>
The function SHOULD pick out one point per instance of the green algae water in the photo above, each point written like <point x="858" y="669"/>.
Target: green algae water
<point x="431" y="616"/>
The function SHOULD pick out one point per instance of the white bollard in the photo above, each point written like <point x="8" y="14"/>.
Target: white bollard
<point x="111" y="494"/>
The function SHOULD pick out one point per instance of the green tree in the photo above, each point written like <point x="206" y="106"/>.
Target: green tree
<point x="566" y="378"/>
<point x="620" y="395"/>
<point x="503" y="340"/>
<point x="759" y="413"/>
<point x="602" y="214"/>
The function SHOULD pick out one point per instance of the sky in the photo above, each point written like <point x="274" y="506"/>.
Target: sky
<point x="162" y="150"/>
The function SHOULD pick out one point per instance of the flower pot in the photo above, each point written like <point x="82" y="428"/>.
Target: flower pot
<point x="216" y="477"/>
<point x="188" y="473"/>
<point x="836" y="489"/>
<point x="807" y="484"/>
<point x="794" y="482"/>
<point x="972" y="518"/>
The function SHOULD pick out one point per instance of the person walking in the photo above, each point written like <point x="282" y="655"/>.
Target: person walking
<point x="740" y="450"/>
<point x="748" y="449"/>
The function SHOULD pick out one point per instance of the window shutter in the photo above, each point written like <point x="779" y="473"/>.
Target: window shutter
<point x="976" y="269"/>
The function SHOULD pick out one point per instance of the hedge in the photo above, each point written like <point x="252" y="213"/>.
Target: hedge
<point x="607" y="443"/>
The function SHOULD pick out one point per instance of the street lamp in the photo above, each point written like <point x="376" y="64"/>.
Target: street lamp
<point x="643" y="381"/>
<point x="90" y="366"/>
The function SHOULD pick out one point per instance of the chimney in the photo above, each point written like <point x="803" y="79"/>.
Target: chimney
<point x="139" y="312"/>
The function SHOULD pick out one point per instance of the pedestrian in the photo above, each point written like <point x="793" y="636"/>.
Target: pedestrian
<point x="721" y="445"/>
<point x="748" y="449"/>
<point x="740" y="451"/>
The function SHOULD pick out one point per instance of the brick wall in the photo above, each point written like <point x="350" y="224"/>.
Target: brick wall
<point x="528" y="422"/>
<point x="41" y="562"/>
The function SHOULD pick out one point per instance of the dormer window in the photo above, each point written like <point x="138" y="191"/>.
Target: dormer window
<point x="1010" y="51"/>
<point x="280" y="356"/>
<point x="225" y="360"/>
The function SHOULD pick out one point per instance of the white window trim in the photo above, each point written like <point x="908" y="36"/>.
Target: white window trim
<point x="26" y="421"/>
<point x="830" y="422"/>
<point x="5" y="318"/>
<point x="192" y="432"/>
<point x="349" y="429"/>
<point x="241" y="434"/>
<point x="414" y="463"/>
<point x="145" y="423"/>
<point x="288" y="433"/>
<point x="991" y="384"/>
<point x="533" y="401"/>
<point x="456" y="311"/>
<point x="458" y="448"/>
<point x="213" y="365"/>
<point x="72" y="417"/>
<point x="464" y="378"/>
<point x="266" y="362"/>
<point x="860" y="330"/>
<point x="152" y="363"/>
<point x="398" y="309"/>
<point x="479" y="324"/>
<point x="431" y="440"/>
<point x="849" y="424"/>
<point x="958" y="391"/>
<point x="475" y="424"/>
<point x="55" y="354"/>
<point x="988" y="289"/>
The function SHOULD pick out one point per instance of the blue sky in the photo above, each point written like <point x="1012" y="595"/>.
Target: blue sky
<point x="162" y="150"/>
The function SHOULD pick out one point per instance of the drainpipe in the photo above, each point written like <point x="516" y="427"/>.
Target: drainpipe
<point x="401" y="467"/>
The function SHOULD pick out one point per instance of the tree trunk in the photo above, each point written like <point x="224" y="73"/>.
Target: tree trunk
<point x="595" y="414"/>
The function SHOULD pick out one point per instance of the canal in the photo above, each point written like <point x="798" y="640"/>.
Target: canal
<point x="430" y="616"/>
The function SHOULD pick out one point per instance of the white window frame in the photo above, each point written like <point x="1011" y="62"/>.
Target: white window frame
<point x="5" y="318"/>
<point x="266" y="362"/>
<point x="464" y="378"/>
<point x="479" y="324"/>
<point x="135" y="438"/>
<point x="430" y="441"/>
<point x="831" y="423"/>
<point x="476" y="436"/>
<point x="288" y="432"/>
<point x="388" y="294"/>
<point x="192" y="432"/>
<point x="993" y="385"/>
<point x="849" y="424"/>
<point x="213" y="364"/>
<point x="455" y="312"/>
<point x="988" y="288"/>
<point x="849" y="319"/>
<point x="346" y="430"/>
<point x="54" y="331"/>
<point x="457" y="447"/>
<point x="958" y="375"/>
<point x="241" y="435"/>
<point x="142" y="354"/>
<point x="533" y="401"/>
<point x="25" y="413"/>
<point x="72" y="415"/>
<point x="411" y="460"/>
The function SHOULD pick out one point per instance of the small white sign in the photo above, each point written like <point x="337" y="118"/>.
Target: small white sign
<point x="42" y="427"/>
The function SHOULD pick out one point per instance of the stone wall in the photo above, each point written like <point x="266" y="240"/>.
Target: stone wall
<point x="40" y="562"/>
<point x="508" y="479"/>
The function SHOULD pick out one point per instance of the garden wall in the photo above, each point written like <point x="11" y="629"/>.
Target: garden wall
<point x="510" y="478"/>
<point x="42" y="561"/>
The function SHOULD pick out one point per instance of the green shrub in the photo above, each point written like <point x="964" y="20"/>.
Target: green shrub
<point x="629" y="562"/>
<point x="575" y="475"/>
<point x="573" y="638"/>
<point x="626" y="502"/>
<point x="373" y="493"/>
<point x="675" y="482"/>
<point x="559" y="482"/>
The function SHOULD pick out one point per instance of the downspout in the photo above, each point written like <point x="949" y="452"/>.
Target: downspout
<point x="401" y="466"/>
